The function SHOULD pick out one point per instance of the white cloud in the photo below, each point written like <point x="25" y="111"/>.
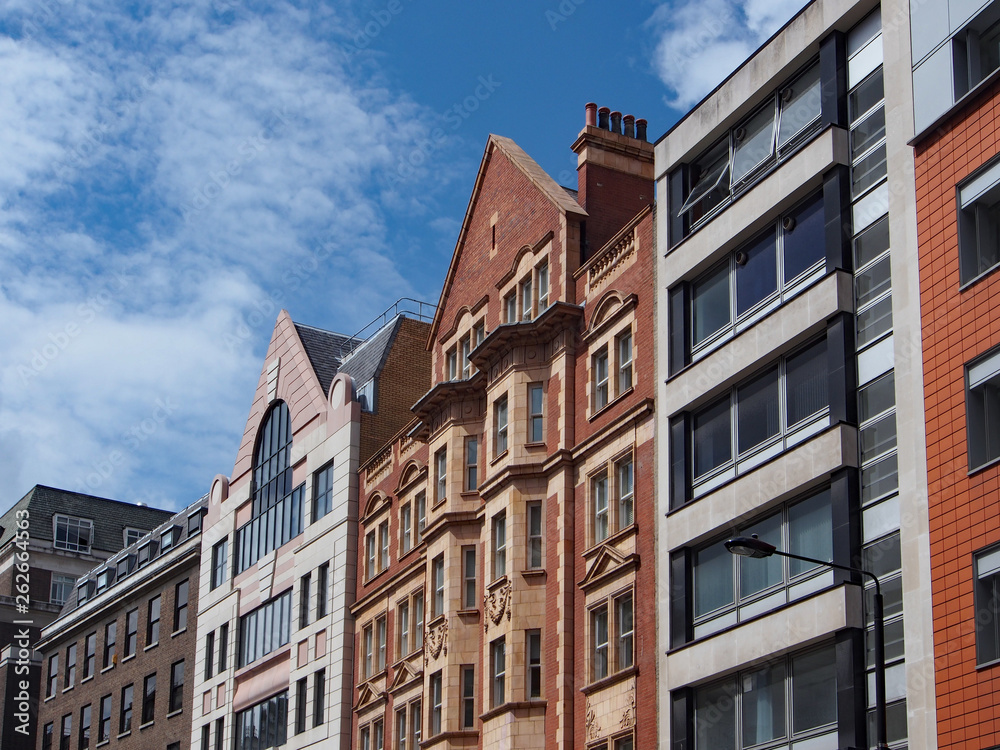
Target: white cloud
<point x="702" y="41"/>
<point x="171" y="180"/>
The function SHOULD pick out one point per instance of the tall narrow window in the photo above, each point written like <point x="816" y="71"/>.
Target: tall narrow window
<point x="468" y="696"/>
<point x="84" y="742"/>
<point x="401" y="734"/>
<point x="441" y="474"/>
<point x="47" y="736"/>
<point x="180" y="606"/>
<point x="51" y="684"/>
<point x="416" y="722"/>
<point x="533" y="640"/>
<point x="383" y="546"/>
<point x="599" y="498"/>
<point x="534" y="535"/>
<point x="499" y="545"/>
<point x="510" y="308"/>
<point x="466" y="364"/>
<point x="436" y="703"/>
<point x="319" y="696"/>
<point x="498" y="670"/>
<point x="526" y="300"/>
<point x="66" y="735"/>
<point x="322" y="492"/>
<point x="478" y="334"/>
<point x="987" y="601"/>
<point x="599" y="641"/>
<point x="403" y="628"/>
<point x="469" y="578"/>
<point x="125" y="712"/>
<point x="131" y="631"/>
<point x="223" y="645"/>
<point x="220" y="554"/>
<point x="220" y="726"/>
<point x="300" y="705"/>
<point x="599" y="369"/>
<point x="437" y="577"/>
<point x="626" y="495"/>
<point x="89" y="655"/>
<point x="451" y="364"/>
<point x="149" y="699"/>
<point x="368" y="636"/>
<point x="500" y="418"/>
<point x="471" y="464"/>
<point x="420" y="510"/>
<point x="535" y="404"/>
<point x="104" y="725"/>
<point x="405" y="529"/>
<point x="209" y="654"/>
<point x="322" y="584"/>
<point x="624" y="362"/>
<point x="378" y="735"/>
<point x="982" y="406"/>
<point x="380" y="635"/>
<point x="110" y="633"/>
<point x="625" y="631"/>
<point x="176" y="702"/>
<point x="70" y="666"/>
<point x="542" y="274"/>
<point x="418" y="618"/>
<point x="370" y="555"/>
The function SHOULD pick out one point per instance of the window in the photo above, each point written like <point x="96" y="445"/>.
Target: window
<point x="542" y="277"/>
<point x="452" y="364"/>
<point x="872" y="282"/>
<point x="209" y="654"/>
<point x="110" y="633"/>
<point x="526" y="300"/>
<point x="987" y="598"/>
<point x="599" y="499"/>
<point x="322" y="492"/>
<point x="383" y="545"/>
<point x="759" y="275"/>
<point x="466" y="364"/>
<point x="796" y="388"/>
<point x="89" y="654"/>
<point x="468" y="696"/>
<point x="104" y="725"/>
<point x="47" y="736"/>
<point x="729" y="589"/>
<point x="206" y="737"/>
<point x="976" y="53"/>
<point x="104" y="579"/>
<point x="380" y="635"/>
<point x="498" y="670"/>
<point x="132" y="536"/>
<point x="405" y="530"/>
<point x="70" y="666"/>
<point x="533" y="640"/>
<point x="220" y="725"/>
<point x="624" y="362"/>
<point x="370" y="558"/>
<point x="534" y="511"/>
<point x="300" y="706"/>
<point x="510" y="308"/>
<point x="265" y="629"/>
<point x="323" y="584"/>
<point x="626" y="494"/>
<point x="535" y="423"/>
<point x="788" y="699"/>
<point x="420" y="511"/>
<point x="84" y="592"/>
<point x="176" y="686"/>
<point x="500" y="420"/>
<point x="264" y="725"/>
<point x="877" y="437"/>
<point x="499" y="545"/>
<point x="599" y="368"/>
<point x="168" y="538"/>
<point x="131" y="631"/>
<point x="53" y="679"/>
<point x="125" y="712"/>
<point x="220" y="554"/>
<point x="368" y="636"/>
<point x="609" y="655"/>
<point x="979" y="224"/>
<point x="304" y="596"/>
<point x="146" y="553"/>
<point x="149" y="699"/>
<point x="416" y="722"/>
<point x="436" y="700"/>
<point x="66" y="735"/>
<point x="319" y="696"/>
<point x="73" y="534"/>
<point x="469" y="578"/>
<point x="471" y="464"/>
<point x="84" y="741"/>
<point x="153" y="621"/>
<point x="223" y="645"/>
<point x="401" y="736"/>
<point x="402" y="629"/>
<point x="378" y="735"/>
<point x="61" y="588"/>
<point x="410" y="623"/>
<point x="180" y="606"/>
<point x="365" y="740"/>
<point x="478" y="334"/>
<point x="441" y="475"/>
<point x="982" y="406"/>
<point x="437" y="581"/>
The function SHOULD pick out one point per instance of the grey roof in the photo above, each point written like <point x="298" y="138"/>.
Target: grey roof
<point x="574" y="194"/>
<point x="110" y="517"/>
<point x="324" y="349"/>
<point x="367" y="360"/>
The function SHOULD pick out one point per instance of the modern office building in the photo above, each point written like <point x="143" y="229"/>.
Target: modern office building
<point x="506" y="582"/>
<point x="957" y="154"/>
<point x="48" y="539"/>
<point x="790" y="402"/>
<point x="275" y="653"/>
<point x="116" y="669"/>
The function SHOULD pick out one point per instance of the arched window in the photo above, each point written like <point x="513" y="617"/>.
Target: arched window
<point x="272" y="476"/>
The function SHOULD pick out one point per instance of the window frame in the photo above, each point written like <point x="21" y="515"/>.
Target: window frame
<point x="471" y="463"/>
<point x="148" y="712"/>
<point x="125" y="709"/>
<point x="611" y="636"/>
<point x="220" y="563"/>
<point x="986" y="585"/>
<point x="438" y="587"/>
<point x="535" y="547"/>
<point x="501" y="421"/>
<point x="498" y="672"/>
<point x="533" y="664"/>
<point x="437" y="704"/>
<point x="440" y="475"/>
<point x="60" y="583"/>
<point x="536" y="413"/>
<point x="110" y="642"/>
<point x="982" y="396"/>
<point x="470" y="585"/>
<point x="131" y="645"/>
<point x="70" y="523"/>
<point x="104" y="721"/>
<point x="624" y="348"/>
<point x="600" y="367"/>
<point x="468" y="687"/>
<point x="322" y="492"/>
<point x="181" y="594"/>
<point x="499" y="545"/>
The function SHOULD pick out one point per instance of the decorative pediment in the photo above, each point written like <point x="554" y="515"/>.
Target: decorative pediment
<point x="368" y="696"/>
<point x="611" y="307"/>
<point x="608" y="562"/>
<point x="411" y="471"/>
<point x="375" y="504"/>
<point x="404" y="675"/>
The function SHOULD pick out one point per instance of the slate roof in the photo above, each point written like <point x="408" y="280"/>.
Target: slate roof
<point x="110" y="517"/>
<point x="367" y="360"/>
<point x="324" y="349"/>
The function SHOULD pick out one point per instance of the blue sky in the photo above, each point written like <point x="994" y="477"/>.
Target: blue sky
<point x="176" y="173"/>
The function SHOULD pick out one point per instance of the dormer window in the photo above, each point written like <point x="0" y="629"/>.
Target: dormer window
<point x="73" y="534"/>
<point x="132" y="536"/>
<point x="104" y="579"/>
<point x="169" y="538"/>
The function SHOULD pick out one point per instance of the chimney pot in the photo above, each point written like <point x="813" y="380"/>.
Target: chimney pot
<point x="640" y="129"/>
<point x="591" y="110"/>
<point x="629" y="121"/>
<point x="602" y="117"/>
<point x="616" y="122"/>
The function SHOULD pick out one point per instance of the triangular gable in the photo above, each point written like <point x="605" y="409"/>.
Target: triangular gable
<point x="367" y="696"/>
<point x="546" y="186"/>
<point x="608" y="562"/>
<point x="405" y="674"/>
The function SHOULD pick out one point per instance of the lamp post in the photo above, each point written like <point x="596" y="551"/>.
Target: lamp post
<point x="751" y="546"/>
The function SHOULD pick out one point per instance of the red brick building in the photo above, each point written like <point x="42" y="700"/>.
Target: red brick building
<point x="506" y="538"/>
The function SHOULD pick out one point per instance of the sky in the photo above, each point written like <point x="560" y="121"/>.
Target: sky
<point x="176" y="173"/>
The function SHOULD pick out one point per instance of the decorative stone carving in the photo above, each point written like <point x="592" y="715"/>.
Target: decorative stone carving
<point x="593" y="726"/>
<point x="497" y="603"/>
<point x="436" y="641"/>
<point x="628" y="716"/>
<point x="613" y="258"/>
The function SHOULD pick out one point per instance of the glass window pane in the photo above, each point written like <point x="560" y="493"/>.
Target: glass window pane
<point x="873" y="281"/>
<point x="987" y="237"/>
<point x="871" y="243"/>
<point x="713" y="579"/>
<point x="757" y="278"/>
<point x="753" y="143"/>
<point x="757" y="574"/>
<point x="711" y="187"/>
<point x="800" y="105"/>
<point x="810" y="532"/>
<point x="814" y="690"/>
<point x="866" y="95"/>
<point x="868" y="132"/>
<point x="880" y="478"/>
<point x="803" y="245"/>
<point x="869" y="170"/>
<point x="710" y="308"/>
<point x="763" y="705"/>
<point x="712" y="430"/>
<point x="878" y="437"/>
<point x="715" y="716"/>
<point x="883" y="557"/>
<point x="757" y="411"/>
<point x="877" y="397"/>
<point x="806" y="383"/>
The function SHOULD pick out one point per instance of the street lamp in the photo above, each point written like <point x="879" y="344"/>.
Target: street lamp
<point x="751" y="546"/>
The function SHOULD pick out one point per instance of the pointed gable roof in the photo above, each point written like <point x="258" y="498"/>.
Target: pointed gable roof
<point x="325" y="350"/>
<point x="560" y="197"/>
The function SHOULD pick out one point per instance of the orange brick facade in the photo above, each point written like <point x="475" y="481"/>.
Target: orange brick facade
<point x="958" y="325"/>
